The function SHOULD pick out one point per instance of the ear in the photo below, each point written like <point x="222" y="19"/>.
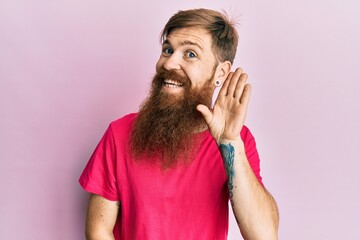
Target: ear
<point x="222" y="71"/>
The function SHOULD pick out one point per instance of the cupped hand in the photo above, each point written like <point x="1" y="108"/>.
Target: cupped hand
<point x="226" y="119"/>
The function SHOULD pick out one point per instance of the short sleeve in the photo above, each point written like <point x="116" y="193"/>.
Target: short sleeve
<point x="99" y="175"/>
<point x="251" y="152"/>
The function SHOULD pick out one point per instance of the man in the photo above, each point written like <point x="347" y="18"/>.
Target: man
<point x="169" y="171"/>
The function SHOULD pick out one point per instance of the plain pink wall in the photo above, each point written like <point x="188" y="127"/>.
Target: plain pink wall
<point x="68" y="68"/>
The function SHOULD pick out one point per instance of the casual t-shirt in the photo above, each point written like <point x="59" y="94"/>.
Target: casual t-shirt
<point x="189" y="201"/>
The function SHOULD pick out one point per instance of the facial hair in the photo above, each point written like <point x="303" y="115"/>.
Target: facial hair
<point x="165" y="127"/>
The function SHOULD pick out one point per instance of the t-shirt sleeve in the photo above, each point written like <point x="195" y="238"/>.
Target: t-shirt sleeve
<point x="251" y="152"/>
<point x="99" y="175"/>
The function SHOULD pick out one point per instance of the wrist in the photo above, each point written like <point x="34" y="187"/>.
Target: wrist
<point x="237" y="143"/>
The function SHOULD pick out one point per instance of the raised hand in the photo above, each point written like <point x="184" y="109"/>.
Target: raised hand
<point x="226" y="119"/>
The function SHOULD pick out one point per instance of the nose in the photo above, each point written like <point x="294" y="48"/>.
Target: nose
<point x="172" y="62"/>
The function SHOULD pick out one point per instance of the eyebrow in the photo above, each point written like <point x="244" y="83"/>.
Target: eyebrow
<point x="184" y="43"/>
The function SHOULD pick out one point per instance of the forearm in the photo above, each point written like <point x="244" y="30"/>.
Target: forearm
<point x="254" y="208"/>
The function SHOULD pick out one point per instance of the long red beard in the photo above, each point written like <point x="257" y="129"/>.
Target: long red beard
<point x="165" y="126"/>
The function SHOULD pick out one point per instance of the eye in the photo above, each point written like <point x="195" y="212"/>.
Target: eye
<point x="191" y="54"/>
<point x="168" y="51"/>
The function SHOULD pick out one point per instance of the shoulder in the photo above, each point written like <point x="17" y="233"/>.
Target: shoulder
<point x="126" y="120"/>
<point x="246" y="134"/>
<point x="122" y="125"/>
<point x="247" y="137"/>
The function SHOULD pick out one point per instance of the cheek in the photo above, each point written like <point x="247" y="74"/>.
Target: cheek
<point x="159" y="64"/>
<point x="196" y="75"/>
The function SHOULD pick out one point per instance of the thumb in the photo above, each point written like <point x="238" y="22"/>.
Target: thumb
<point x="206" y="112"/>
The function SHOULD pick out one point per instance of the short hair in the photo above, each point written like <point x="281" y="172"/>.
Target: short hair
<point x="221" y="28"/>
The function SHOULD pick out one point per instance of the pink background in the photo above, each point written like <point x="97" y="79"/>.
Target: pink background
<point x="68" y="68"/>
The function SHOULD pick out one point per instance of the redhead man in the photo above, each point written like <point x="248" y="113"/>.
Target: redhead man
<point x="168" y="171"/>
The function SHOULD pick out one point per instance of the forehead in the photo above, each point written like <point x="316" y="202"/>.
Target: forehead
<point x="190" y="36"/>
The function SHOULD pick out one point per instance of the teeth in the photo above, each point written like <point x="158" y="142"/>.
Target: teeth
<point x="172" y="83"/>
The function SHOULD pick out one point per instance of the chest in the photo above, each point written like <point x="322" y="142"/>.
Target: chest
<point x="202" y="179"/>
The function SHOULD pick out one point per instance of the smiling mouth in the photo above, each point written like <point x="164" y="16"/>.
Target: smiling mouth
<point x="172" y="84"/>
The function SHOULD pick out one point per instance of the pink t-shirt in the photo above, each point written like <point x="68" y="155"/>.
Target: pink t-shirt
<point x="186" y="202"/>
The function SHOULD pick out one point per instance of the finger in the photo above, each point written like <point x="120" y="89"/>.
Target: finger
<point x="245" y="97"/>
<point x="224" y="89"/>
<point x="240" y="86"/>
<point x="206" y="113"/>
<point x="233" y="82"/>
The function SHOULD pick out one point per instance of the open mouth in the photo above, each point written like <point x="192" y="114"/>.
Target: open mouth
<point x="172" y="84"/>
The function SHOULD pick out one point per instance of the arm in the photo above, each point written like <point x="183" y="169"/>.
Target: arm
<point x="254" y="208"/>
<point x="101" y="218"/>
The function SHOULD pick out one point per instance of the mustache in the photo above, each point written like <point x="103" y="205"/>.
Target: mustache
<point x="163" y="74"/>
